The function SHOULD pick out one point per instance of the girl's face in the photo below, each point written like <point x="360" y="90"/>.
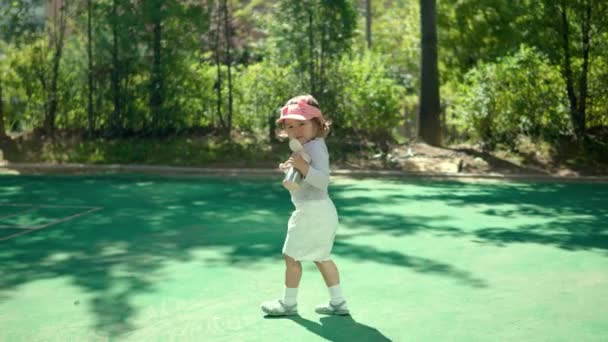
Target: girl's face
<point x="303" y="130"/>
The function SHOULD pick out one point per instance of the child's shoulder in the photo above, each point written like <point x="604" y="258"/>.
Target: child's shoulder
<point x="316" y="143"/>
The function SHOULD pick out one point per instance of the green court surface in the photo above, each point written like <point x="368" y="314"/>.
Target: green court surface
<point x="143" y="258"/>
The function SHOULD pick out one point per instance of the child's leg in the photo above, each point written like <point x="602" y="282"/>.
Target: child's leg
<point x="329" y="271"/>
<point x="293" y="272"/>
<point x="337" y="304"/>
<point x="288" y="305"/>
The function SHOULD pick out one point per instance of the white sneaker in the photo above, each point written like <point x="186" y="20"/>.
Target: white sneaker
<point x="278" y="308"/>
<point x="333" y="309"/>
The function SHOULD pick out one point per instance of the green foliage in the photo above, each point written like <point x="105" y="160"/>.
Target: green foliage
<point x="479" y="30"/>
<point x="597" y="107"/>
<point x="370" y="101"/>
<point x="23" y="91"/>
<point x="195" y="95"/>
<point x="72" y="97"/>
<point x="396" y="37"/>
<point x="20" y="19"/>
<point x="519" y="94"/>
<point x="262" y="89"/>
<point x="177" y="151"/>
<point x="313" y="35"/>
<point x="492" y="89"/>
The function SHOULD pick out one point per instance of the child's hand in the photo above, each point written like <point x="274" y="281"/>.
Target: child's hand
<point x="299" y="163"/>
<point x="285" y="166"/>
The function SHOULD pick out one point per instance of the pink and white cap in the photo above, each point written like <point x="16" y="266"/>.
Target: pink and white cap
<point x="300" y="111"/>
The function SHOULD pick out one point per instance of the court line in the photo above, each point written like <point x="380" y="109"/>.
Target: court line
<point x="6" y="226"/>
<point x="15" y="235"/>
<point x="43" y="206"/>
<point x="17" y="213"/>
<point x="92" y="209"/>
<point x="71" y="217"/>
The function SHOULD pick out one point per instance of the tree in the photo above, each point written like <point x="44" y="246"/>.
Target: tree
<point x="57" y="36"/>
<point x="571" y="39"/>
<point x="569" y="32"/>
<point x="156" y="11"/>
<point x="578" y="102"/>
<point x="218" y="66"/>
<point x="2" y="128"/>
<point x="322" y="34"/>
<point x="222" y="45"/>
<point x="16" y="25"/>
<point x="368" y="23"/>
<point x="227" y="42"/>
<point x="90" y="66"/>
<point x="116" y="69"/>
<point x="429" y="129"/>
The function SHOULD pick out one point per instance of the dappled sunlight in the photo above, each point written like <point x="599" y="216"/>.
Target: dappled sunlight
<point x="146" y="224"/>
<point x="116" y="253"/>
<point x="575" y="234"/>
<point x="567" y="215"/>
<point x="396" y="258"/>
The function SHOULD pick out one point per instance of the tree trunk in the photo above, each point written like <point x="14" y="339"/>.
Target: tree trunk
<point x="2" y="127"/>
<point x="320" y="76"/>
<point x="115" y="121"/>
<point x="368" y="23"/>
<point x="272" y="127"/>
<point x="429" y="129"/>
<point x="311" y="49"/>
<point x="228" y="35"/>
<point x="49" y="122"/>
<point x="567" y="67"/>
<point x="218" y="81"/>
<point x="91" y="125"/>
<point x="578" y="102"/>
<point x="156" y="95"/>
<point x="582" y="110"/>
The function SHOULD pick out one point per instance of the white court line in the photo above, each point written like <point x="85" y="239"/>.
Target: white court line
<point x="15" y="214"/>
<point x="6" y="226"/>
<point x="31" y="229"/>
<point x="43" y="206"/>
<point x="15" y="235"/>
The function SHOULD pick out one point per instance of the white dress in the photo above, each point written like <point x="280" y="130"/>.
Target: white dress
<point x="313" y="224"/>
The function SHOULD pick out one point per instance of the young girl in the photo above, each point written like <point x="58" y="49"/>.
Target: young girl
<point x="312" y="226"/>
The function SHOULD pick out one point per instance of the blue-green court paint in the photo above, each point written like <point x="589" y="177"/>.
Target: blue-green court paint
<point x="162" y="259"/>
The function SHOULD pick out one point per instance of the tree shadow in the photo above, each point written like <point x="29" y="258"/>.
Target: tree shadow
<point x="416" y="264"/>
<point x="339" y="328"/>
<point x="531" y="165"/>
<point x="573" y="214"/>
<point x="119" y="252"/>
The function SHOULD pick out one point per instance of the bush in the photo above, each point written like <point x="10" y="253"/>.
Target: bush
<point x="261" y="90"/>
<point x="22" y="93"/>
<point x="370" y="103"/>
<point x="519" y="94"/>
<point x="597" y="105"/>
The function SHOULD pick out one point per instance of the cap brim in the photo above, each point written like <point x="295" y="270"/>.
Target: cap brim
<point x="293" y="117"/>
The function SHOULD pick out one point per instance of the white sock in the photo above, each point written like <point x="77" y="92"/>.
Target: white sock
<point x="335" y="292"/>
<point x="290" y="295"/>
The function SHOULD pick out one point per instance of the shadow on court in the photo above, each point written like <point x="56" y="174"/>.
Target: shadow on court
<point x="118" y="252"/>
<point x="339" y="329"/>
<point x="577" y="212"/>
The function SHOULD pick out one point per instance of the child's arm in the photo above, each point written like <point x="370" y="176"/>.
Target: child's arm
<point x="317" y="172"/>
